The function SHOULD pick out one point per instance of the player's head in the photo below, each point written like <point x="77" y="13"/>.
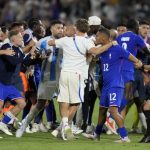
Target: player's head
<point x="3" y="33"/>
<point x="69" y="30"/>
<point x="33" y="21"/>
<point x="17" y="26"/>
<point x="39" y="31"/>
<point x="15" y="38"/>
<point x="133" y="25"/>
<point x="94" y="24"/>
<point x="144" y="28"/>
<point x="121" y="28"/>
<point x="82" y="25"/>
<point x="56" y="28"/>
<point x="113" y="34"/>
<point x="103" y="36"/>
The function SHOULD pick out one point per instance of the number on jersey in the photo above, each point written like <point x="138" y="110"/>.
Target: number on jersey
<point x="106" y="67"/>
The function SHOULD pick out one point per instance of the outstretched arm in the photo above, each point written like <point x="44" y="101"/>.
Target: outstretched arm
<point x="99" y="50"/>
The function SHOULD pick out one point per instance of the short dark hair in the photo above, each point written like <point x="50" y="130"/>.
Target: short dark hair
<point x="32" y="22"/>
<point x="15" y="24"/>
<point x="124" y="24"/>
<point x="144" y="22"/>
<point x="55" y="22"/>
<point x="82" y="25"/>
<point x="105" y="31"/>
<point x="13" y="33"/>
<point x="132" y="24"/>
<point x="4" y="29"/>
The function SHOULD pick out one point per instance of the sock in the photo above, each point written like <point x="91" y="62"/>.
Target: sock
<point x="8" y="116"/>
<point x="143" y="120"/>
<point x="49" y="112"/>
<point x="147" y="115"/>
<point x="123" y="132"/>
<point x="65" y="121"/>
<point x="98" y="129"/>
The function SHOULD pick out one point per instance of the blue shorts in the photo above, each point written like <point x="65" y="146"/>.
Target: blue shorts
<point x="9" y="91"/>
<point x="111" y="97"/>
<point x="127" y="76"/>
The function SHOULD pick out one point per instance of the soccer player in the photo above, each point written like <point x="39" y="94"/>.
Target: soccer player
<point x="50" y="71"/>
<point x="91" y="88"/>
<point x="9" y="65"/>
<point x="121" y="28"/>
<point x="130" y="41"/>
<point x="113" y="84"/>
<point x="74" y="72"/>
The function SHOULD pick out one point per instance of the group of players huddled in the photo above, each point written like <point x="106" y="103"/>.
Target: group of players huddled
<point x="75" y="64"/>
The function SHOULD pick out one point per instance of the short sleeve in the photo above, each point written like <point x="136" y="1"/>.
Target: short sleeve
<point x="122" y="52"/>
<point x="89" y="44"/>
<point x="140" y="42"/>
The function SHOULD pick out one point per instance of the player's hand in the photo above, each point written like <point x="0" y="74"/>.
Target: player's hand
<point x="33" y="52"/>
<point x="114" y="43"/>
<point x="138" y="64"/>
<point x="9" y="52"/>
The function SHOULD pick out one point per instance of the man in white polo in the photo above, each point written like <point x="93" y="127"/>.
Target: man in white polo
<point x="74" y="72"/>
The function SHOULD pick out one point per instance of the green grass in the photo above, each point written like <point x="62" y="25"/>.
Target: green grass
<point x="45" y="141"/>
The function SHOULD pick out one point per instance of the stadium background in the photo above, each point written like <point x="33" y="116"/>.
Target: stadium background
<point x="110" y="11"/>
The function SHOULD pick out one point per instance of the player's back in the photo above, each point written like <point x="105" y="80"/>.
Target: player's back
<point x="131" y="42"/>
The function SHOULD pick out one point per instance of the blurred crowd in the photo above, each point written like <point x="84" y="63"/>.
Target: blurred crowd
<point x="111" y="11"/>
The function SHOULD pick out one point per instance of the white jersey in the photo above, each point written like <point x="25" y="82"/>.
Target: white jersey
<point x="50" y="66"/>
<point x="74" y="54"/>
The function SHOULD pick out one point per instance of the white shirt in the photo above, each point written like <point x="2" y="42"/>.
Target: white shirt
<point x="73" y="60"/>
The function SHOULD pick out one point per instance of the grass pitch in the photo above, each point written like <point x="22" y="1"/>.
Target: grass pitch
<point x="45" y="141"/>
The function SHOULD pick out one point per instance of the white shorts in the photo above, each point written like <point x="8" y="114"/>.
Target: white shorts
<point x="71" y="86"/>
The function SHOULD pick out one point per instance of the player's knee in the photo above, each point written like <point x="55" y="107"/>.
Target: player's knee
<point x="40" y="104"/>
<point x="146" y="106"/>
<point x="112" y="111"/>
<point x="21" y="103"/>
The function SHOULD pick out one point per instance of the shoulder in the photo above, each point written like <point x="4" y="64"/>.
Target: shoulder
<point x="5" y="46"/>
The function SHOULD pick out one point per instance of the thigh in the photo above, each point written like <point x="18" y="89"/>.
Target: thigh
<point x="76" y="88"/>
<point x="115" y="96"/>
<point x="46" y="90"/>
<point x="128" y="91"/>
<point x="63" y="95"/>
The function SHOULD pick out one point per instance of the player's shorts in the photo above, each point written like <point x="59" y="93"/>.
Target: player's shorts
<point x="9" y="91"/>
<point x="127" y="76"/>
<point x="111" y="96"/>
<point x="138" y="85"/>
<point x="71" y="86"/>
<point x="46" y="89"/>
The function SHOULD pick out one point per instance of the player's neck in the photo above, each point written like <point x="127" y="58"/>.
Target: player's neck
<point x="78" y="33"/>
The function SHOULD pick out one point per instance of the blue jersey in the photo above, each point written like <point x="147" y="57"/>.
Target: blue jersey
<point x="111" y="62"/>
<point x="131" y="42"/>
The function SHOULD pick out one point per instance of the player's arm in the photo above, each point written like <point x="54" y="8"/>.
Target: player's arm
<point x="137" y="62"/>
<point x="51" y="42"/>
<point x="7" y="51"/>
<point x="101" y="49"/>
<point x="146" y="67"/>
